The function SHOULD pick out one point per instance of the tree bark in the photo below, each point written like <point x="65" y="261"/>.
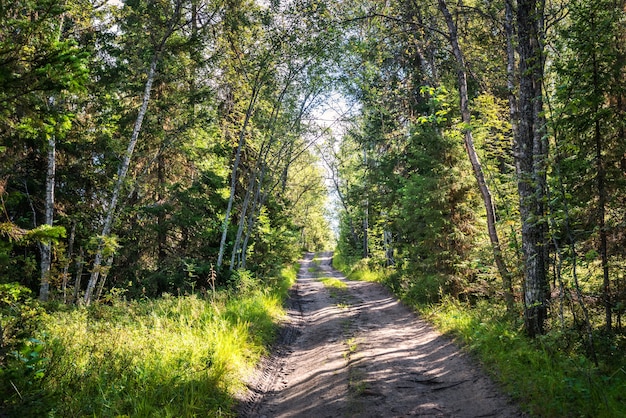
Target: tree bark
<point x="70" y="252"/>
<point x="602" y="198"/>
<point x="366" y="210"/>
<point x="531" y="171"/>
<point x="80" y="263"/>
<point x="233" y="178"/>
<point x="509" y="28"/>
<point x="171" y="26"/>
<point x="473" y="157"/>
<point x="237" y="247"/>
<point x="121" y="176"/>
<point x="46" y="247"/>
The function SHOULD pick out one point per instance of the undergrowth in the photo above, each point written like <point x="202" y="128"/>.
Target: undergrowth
<point x="549" y="376"/>
<point x="331" y="282"/>
<point x="172" y="357"/>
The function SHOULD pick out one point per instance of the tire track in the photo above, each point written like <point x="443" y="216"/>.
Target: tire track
<point x="359" y="352"/>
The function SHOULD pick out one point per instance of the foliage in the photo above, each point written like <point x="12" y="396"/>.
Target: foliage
<point x="549" y="375"/>
<point x="75" y="72"/>
<point x="21" y="360"/>
<point x="184" y="355"/>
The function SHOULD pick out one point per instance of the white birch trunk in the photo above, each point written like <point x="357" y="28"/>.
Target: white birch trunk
<point x="121" y="176"/>
<point x="233" y="179"/>
<point x="46" y="247"/>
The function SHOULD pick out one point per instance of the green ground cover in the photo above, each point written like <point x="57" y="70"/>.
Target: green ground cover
<point x="170" y="357"/>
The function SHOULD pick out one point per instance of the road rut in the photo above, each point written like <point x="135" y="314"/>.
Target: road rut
<point x="358" y="352"/>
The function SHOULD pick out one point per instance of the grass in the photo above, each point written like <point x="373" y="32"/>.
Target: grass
<point x="333" y="283"/>
<point x="358" y="270"/>
<point x="549" y="376"/>
<point x="336" y="288"/>
<point x="172" y="357"/>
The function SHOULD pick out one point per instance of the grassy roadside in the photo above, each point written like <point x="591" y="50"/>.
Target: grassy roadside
<point x="172" y="357"/>
<point x="548" y="376"/>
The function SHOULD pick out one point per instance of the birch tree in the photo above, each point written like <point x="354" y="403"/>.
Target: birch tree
<point x="172" y="23"/>
<point x="473" y="156"/>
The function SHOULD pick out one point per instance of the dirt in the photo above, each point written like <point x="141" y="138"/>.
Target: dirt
<point x="358" y="352"/>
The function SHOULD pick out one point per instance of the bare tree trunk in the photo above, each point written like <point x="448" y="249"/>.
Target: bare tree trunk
<point x="531" y="161"/>
<point x="70" y="251"/>
<point x="46" y="247"/>
<point x="474" y="160"/>
<point x="233" y="178"/>
<point x="121" y="176"/>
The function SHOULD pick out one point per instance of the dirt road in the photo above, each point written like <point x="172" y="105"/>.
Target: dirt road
<point x="357" y="352"/>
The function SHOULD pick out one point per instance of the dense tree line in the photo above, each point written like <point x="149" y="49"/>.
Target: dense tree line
<point x="147" y="146"/>
<point x="150" y="146"/>
<point x="487" y="157"/>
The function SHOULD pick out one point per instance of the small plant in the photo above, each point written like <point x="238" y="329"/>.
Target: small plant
<point x="336" y="287"/>
<point x="352" y="345"/>
<point x="331" y="282"/>
<point x="211" y="279"/>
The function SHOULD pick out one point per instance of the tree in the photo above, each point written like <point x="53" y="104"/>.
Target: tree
<point x="172" y="23"/>
<point x="473" y="157"/>
<point x="588" y="122"/>
<point x="41" y="71"/>
<point x="531" y="149"/>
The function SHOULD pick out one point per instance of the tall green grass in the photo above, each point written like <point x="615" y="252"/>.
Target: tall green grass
<point x="359" y="270"/>
<point x="172" y="357"/>
<point x="549" y="376"/>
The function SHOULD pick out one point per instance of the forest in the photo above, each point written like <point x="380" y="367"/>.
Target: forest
<point x="164" y="164"/>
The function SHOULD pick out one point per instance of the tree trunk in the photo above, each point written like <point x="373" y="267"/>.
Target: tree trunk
<point x="243" y="217"/>
<point x="161" y="216"/>
<point x="531" y="161"/>
<point x="70" y="251"/>
<point x="105" y="274"/>
<point x="257" y="205"/>
<point x="80" y="263"/>
<point x="473" y="157"/>
<point x="601" y="178"/>
<point x="514" y="118"/>
<point x="121" y="176"/>
<point x="366" y="210"/>
<point x="46" y="247"/>
<point x="233" y="178"/>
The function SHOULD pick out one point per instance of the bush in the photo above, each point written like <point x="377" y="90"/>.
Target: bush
<point x="22" y="366"/>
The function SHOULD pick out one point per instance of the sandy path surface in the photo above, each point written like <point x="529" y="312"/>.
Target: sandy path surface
<point x="358" y="352"/>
